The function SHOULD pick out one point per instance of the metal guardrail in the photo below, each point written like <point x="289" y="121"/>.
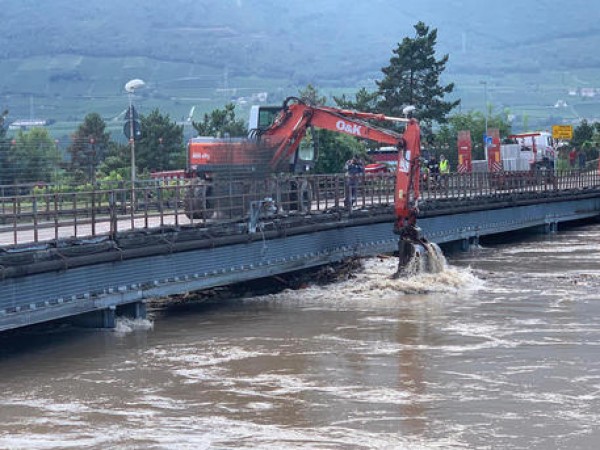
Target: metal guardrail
<point x="32" y="214"/>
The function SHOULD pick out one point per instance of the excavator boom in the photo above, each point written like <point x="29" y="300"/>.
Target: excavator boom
<point x="276" y="147"/>
<point x="291" y="124"/>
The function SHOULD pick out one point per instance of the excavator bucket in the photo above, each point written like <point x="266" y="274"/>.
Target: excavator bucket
<point x="418" y="256"/>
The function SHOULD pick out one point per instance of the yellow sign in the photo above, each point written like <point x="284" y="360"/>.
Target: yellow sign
<point x="562" y="131"/>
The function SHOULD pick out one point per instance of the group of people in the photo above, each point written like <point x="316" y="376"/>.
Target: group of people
<point x="435" y="173"/>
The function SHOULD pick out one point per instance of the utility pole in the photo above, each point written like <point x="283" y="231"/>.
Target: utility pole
<point x="485" y="113"/>
<point x="130" y="87"/>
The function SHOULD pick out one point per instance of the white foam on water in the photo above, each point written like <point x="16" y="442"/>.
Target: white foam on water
<point x="260" y="406"/>
<point x="377" y="276"/>
<point x="125" y="325"/>
<point x="211" y="354"/>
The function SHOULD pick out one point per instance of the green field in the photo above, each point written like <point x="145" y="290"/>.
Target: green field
<point x="64" y="88"/>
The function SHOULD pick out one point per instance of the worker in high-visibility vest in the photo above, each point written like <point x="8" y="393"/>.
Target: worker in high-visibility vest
<point x="444" y="170"/>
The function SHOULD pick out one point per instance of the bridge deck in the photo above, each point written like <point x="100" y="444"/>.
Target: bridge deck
<point x="102" y="269"/>
<point x="34" y="215"/>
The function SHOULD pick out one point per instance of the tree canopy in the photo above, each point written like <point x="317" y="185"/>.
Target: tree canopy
<point x="34" y="157"/>
<point x="88" y="148"/>
<point x="364" y="101"/>
<point x="413" y="79"/>
<point x="221" y="123"/>
<point x="161" y="146"/>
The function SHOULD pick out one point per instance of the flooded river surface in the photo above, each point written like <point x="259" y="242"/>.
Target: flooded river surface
<point x="501" y="350"/>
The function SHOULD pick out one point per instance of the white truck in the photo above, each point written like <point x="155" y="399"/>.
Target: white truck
<point x="530" y="151"/>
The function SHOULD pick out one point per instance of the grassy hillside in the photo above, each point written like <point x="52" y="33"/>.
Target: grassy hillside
<point x="62" y="59"/>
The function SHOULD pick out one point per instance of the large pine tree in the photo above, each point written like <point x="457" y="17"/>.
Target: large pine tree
<point x="413" y="78"/>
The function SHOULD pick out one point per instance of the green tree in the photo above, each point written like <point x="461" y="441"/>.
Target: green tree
<point x="34" y="157"/>
<point x="312" y="96"/>
<point x="5" y="173"/>
<point x="117" y="162"/>
<point x="335" y="149"/>
<point x="221" y="123"/>
<point x="88" y="148"/>
<point x="584" y="132"/>
<point x="364" y="101"/>
<point x="595" y="144"/>
<point x="161" y="146"/>
<point x="586" y="138"/>
<point x="413" y="78"/>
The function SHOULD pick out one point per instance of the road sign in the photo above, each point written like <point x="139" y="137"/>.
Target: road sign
<point x="137" y="131"/>
<point x="562" y="131"/>
<point x="487" y="139"/>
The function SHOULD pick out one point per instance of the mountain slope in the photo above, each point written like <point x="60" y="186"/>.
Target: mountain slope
<point x="205" y="51"/>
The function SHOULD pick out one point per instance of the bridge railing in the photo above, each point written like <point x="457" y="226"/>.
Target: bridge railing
<point x="29" y="215"/>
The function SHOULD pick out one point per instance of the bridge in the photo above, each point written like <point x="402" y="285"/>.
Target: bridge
<point x="90" y="255"/>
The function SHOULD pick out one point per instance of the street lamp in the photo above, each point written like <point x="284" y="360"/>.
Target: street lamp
<point x="485" y="104"/>
<point x="485" y="113"/>
<point x="130" y="87"/>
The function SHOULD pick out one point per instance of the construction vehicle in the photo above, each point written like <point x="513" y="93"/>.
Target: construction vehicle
<point x="525" y="159"/>
<point x="252" y="167"/>
<point x="529" y="151"/>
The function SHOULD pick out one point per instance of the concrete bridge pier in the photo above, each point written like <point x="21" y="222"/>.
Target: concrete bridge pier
<point x="107" y="317"/>
<point x="465" y="244"/>
<point x="102" y="318"/>
<point x="136" y="310"/>
<point x="551" y="228"/>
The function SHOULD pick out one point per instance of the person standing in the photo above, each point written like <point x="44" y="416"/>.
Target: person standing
<point x="354" y="169"/>
<point x="572" y="157"/>
<point x="434" y="171"/>
<point x="444" y="170"/>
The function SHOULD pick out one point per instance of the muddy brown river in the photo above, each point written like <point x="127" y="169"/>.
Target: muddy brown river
<point x="499" y="351"/>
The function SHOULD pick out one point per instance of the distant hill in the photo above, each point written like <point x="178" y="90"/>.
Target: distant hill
<point x="61" y="59"/>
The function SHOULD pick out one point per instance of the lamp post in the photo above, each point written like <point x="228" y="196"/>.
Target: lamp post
<point x="130" y="87"/>
<point x="485" y="113"/>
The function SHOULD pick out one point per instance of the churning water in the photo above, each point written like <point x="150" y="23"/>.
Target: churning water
<point x="500" y="349"/>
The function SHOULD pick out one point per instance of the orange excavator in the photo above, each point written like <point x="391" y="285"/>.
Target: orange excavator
<point x="275" y="149"/>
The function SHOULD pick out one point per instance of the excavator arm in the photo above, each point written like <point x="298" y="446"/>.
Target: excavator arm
<point x="289" y="127"/>
<point x="406" y="195"/>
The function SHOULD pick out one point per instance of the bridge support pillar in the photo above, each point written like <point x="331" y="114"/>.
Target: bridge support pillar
<point x="551" y="228"/>
<point x="467" y="243"/>
<point x="103" y="318"/>
<point x="136" y="310"/>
